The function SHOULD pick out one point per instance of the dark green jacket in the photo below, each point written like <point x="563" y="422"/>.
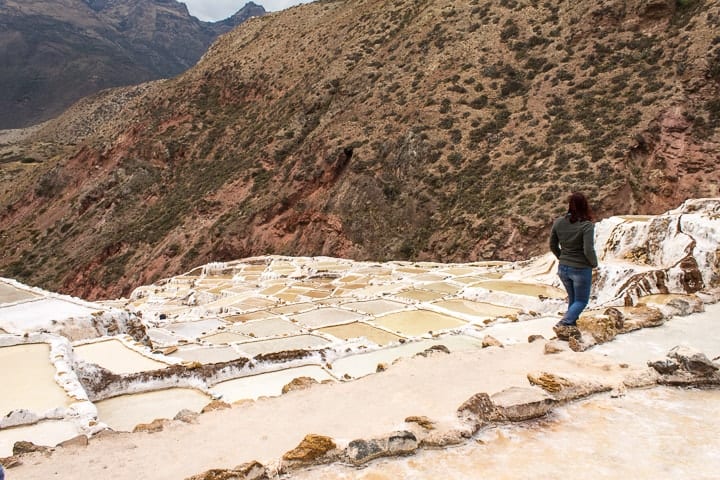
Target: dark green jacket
<point x="574" y="243"/>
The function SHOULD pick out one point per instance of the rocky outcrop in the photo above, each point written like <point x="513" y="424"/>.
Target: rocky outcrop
<point x="685" y="366"/>
<point x="564" y="389"/>
<point x="300" y="383"/>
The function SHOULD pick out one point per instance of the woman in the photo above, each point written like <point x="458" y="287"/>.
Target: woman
<point x="572" y="242"/>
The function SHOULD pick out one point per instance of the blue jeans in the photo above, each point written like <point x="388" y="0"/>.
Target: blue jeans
<point x="577" y="282"/>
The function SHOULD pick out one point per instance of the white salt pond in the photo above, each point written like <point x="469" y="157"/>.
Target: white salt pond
<point x="518" y="332"/>
<point x="48" y="434"/>
<point x="194" y="329"/>
<point x="363" y="364"/>
<point x="699" y="330"/>
<point x="116" y="357"/>
<point x="124" y="412"/>
<point x="28" y="380"/>
<point x="375" y="307"/>
<point x="359" y="329"/>
<point x="266" y="384"/>
<point x="662" y="433"/>
<point x="323" y="317"/>
<point x="298" y="342"/>
<point x="35" y="315"/>
<point x="206" y="355"/>
<point x="269" y="327"/>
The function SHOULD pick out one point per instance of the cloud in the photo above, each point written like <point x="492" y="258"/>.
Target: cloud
<point x="214" y="10"/>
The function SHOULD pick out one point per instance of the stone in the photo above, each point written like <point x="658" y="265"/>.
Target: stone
<point x="554" y="347"/>
<point x="603" y="328"/>
<point x="10" y="462"/>
<point x="432" y="350"/>
<point x="300" y="383"/>
<point x="564" y="389"/>
<point x="247" y="471"/>
<point x="399" y="443"/>
<point x="215" y="405"/>
<point x="517" y="404"/>
<point x="155" y="426"/>
<point x="79" y="441"/>
<point x="381" y="367"/>
<point x="490" y="341"/>
<point x="187" y="416"/>
<point x="23" y="447"/>
<point x="581" y="343"/>
<point x="535" y="338"/>
<point x="424" y="422"/>
<point x="444" y="438"/>
<point x="566" y="332"/>
<point x="312" y="450"/>
<point x="693" y="361"/>
<point x="641" y="316"/>
<point x="478" y="410"/>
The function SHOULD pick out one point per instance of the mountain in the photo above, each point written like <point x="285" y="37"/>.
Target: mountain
<point x="54" y="52"/>
<point x="417" y="129"/>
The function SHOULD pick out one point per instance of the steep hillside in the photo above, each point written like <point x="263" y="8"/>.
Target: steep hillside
<point x="416" y="129"/>
<point x="54" y="52"/>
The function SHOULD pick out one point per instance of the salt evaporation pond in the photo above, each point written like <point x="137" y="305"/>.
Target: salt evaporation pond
<point x="299" y="342"/>
<point x="116" y="357"/>
<point x="266" y="384"/>
<point x="11" y="294"/>
<point x="359" y="365"/>
<point x="522" y="288"/>
<point x="477" y="309"/>
<point x="418" y="322"/>
<point x="658" y="433"/>
<point x="698" y="330"/>
<point x="30" y="382"/>
<point x="359" y="329"/>
<point x="48" y="433"/>
<point x="269" y="327"/>
<point x="124" y="412"/>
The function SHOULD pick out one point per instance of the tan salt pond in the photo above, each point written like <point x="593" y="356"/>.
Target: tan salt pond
<point x="28" y="380"/>
<point x="124" y="412"/>
<point x="48" y="434"/>
<point x="269" y="327"/>
<point x="420" y="295"/>
<point x="375" y="307"/>
<point x="357" y="330"/>
<point x="294" y="308"/>
<point x="116" y="357"/>
<point x="299" y="342"/>
<point x="477" y="309"/>
<point x="418" y="322"/>
<point x="522" y="288"/>
<point x="11" y="294"/>
<point x="247" y="317"/>
<point x="442" y="287"/>
<point x="266" y="384"/>
<point x="662" y="433"/>
<point x="322" y="317"/>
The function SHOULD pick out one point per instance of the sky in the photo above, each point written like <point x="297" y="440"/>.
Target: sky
<point x="213" y="10"/>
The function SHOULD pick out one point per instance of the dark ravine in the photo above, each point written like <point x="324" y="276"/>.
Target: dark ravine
<point x="467" y="127"/>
